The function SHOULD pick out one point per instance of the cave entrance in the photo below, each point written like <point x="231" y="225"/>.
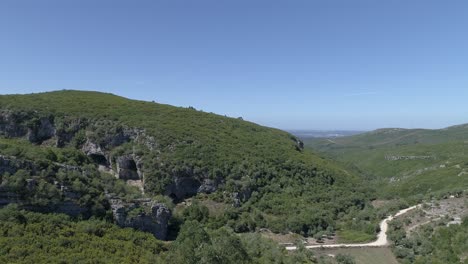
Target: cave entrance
<point x="132" y="166"/>
<point x="128" y="169"/>
<point x="100" y="159"/>
<point x="173" y="197"/>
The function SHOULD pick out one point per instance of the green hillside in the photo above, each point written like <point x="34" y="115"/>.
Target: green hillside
<point x="405" y="162"/>
<point x="69" y="145"/>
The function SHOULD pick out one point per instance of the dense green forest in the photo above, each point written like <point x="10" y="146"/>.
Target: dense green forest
<point x="29" y="237"/>
<point x="437" y="244"/>
<point x="262" y="178"/>
<point x="413" y="165"/>
<point x="404" y="162"/>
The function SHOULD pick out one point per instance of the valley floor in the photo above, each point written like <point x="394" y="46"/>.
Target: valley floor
<point x="381" y="238"/>
<point x="382" y="255"/>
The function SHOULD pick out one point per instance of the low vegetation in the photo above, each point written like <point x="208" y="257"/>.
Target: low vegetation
<point x="404" y="163"/>
<point x="431" y="243"/>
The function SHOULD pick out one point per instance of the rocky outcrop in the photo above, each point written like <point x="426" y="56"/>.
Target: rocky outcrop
<point x="183" y="187"/>
<point x="41" y="130"/>
<point x="7" y="197"/>
<point x="26" y="125"/>
<point x="241" y="196"/>
<point x="68" y="129"/>
<point x="12" y="165"/>
<point x="208" y="186"/>
<point x="393" y="158"/>
<point x="299" y="144"/>
<point x="11" y="125"/>
<point x="70" y="208"/>
<point x="144" y="215"/>
<point x="96" y="153"/>
<point x="91" y="148"/>
<point x="98" y="139"/>
<point x="188" y="186"/>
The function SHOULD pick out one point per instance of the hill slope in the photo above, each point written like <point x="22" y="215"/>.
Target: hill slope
<point x="405" y="161"/>
<point x="180" y="152"/>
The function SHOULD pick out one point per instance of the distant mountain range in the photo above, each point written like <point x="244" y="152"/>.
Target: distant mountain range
<point x="304" y="134"/>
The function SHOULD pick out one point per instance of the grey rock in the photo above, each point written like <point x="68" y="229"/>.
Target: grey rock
<point x="31" y="184"/>
<point x="91" y="148"/>
<point x="154" y="219"/>
<point x="299" y="144"/>
<point x="41" y="131"/>
<point x="11" y="125"/>
<point x="67" y="131"/>
<point x="7" y="197"/>
<point x="70" y="208"/>
<point x="240" y="197"/>
<point x="12" y="165"/>
<point x="208" y="186"/>
<point x="183" y="187"/>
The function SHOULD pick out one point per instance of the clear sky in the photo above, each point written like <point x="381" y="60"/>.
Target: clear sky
<point x="292" y="64"/>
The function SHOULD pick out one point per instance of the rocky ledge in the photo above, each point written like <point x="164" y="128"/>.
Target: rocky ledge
<point x="145" y="215"/>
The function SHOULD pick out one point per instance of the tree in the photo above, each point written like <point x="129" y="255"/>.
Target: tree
<point x="190" y="244"/>
<point x="197" y="212"/>
<point x="345" y="259"/>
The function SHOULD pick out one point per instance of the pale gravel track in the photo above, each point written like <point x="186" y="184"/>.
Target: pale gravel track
<point x="381" y="237"/>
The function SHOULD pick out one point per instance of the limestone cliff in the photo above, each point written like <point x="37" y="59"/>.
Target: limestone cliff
<point x="144" y="215"/>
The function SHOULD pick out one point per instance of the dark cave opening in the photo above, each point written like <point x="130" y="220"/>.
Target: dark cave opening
<point x="100" y="159"/>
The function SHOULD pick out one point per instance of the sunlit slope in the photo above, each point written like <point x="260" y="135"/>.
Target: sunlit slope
<point x="405" y="161"/>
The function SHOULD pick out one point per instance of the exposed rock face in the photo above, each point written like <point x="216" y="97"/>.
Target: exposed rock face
<point x="7" y="197"/>
<point x="240" y="197"/>
<point x="96" y="153"/>
<point x="152" y="217"/>
<point x="11" y="125"/>
<point x="14" y="125"/>
<point x="188" y="186"/>
<point x="97" y="139"/>
<point x="392" y="158"/>
<point x="68" y="130"/>
<point x="43" y="130"/>
<point x="70" y="208"/>
<point x="90" y="148"/>
<point x="183" y="187"/>
<point x="12" y="165"/>
<point x="299" y="144"/>
<point x="208" y="186"/>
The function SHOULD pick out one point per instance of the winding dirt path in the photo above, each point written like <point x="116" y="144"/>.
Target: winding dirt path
<point x="381" y="237"/>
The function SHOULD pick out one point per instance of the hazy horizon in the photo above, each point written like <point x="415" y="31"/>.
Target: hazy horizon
<point x="323" y="65"/>
<point x="304" y="129"/>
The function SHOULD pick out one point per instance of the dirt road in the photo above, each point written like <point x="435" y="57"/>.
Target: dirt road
<point x="381" y="237"/>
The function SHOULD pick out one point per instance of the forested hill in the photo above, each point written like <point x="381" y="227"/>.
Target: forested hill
<point x="263" y="176"/>
<point x="405" y="162"/>
<point x="195" y="136"/>
<point x="397" y="137"/>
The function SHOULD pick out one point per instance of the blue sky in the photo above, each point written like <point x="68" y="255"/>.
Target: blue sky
<point x="299" y="64"/>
